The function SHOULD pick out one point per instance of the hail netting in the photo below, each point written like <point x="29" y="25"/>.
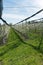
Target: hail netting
<point x="26" y="27"/>
<point x="30" y="30"/>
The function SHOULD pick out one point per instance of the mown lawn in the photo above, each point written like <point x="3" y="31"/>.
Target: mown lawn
<point x="16" y="52"/>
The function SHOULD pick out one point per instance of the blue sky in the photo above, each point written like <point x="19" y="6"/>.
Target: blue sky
<point x="17" y="10"/>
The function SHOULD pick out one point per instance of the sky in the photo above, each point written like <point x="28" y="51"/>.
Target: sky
<point x="16" y="10"/>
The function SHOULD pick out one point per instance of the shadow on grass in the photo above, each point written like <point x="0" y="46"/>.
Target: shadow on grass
<point x="34" y="47"/>
<point x="11" y="47"/>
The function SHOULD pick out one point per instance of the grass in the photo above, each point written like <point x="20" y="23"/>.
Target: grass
<point x="16" y="52"/>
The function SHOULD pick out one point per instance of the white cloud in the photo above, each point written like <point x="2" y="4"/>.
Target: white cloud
<point x="39" y="3"/>
<point x="23" y="12"/>
<point x="14" y="16"/>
